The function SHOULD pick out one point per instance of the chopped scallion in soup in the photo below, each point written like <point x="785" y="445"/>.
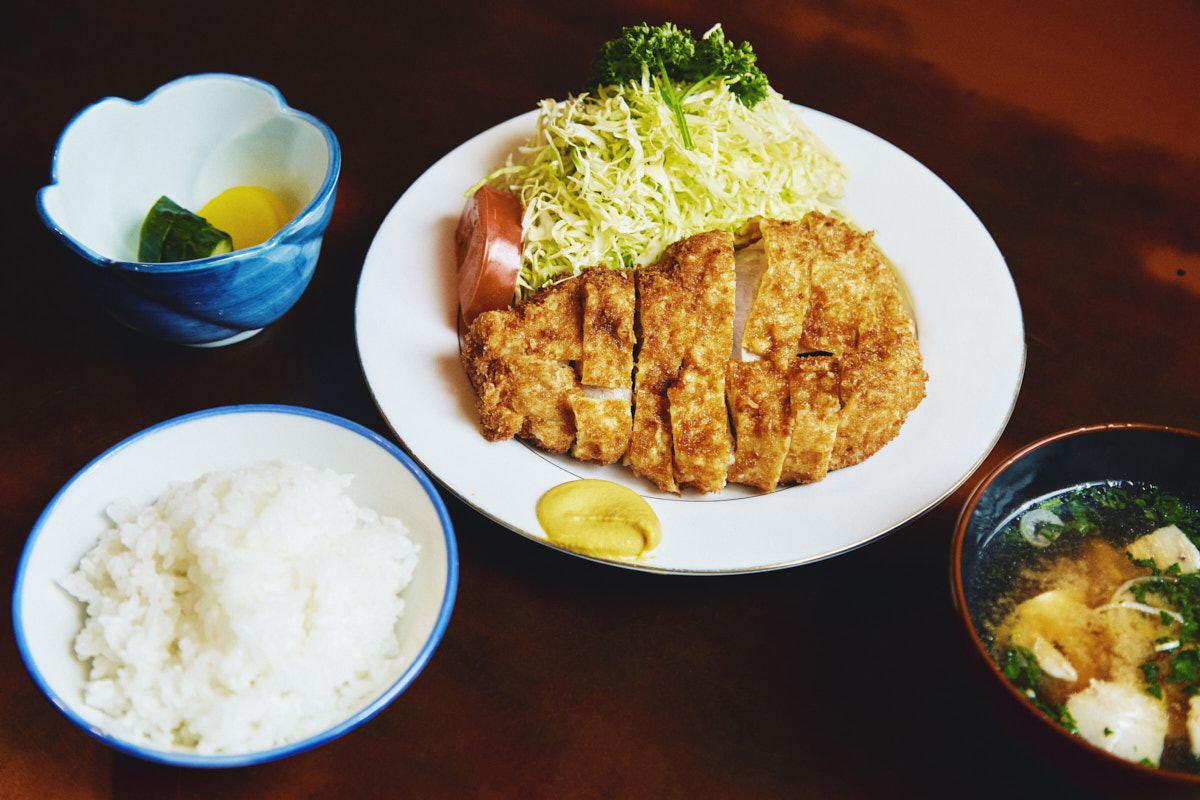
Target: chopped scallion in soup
<point x="1092" y="610"/>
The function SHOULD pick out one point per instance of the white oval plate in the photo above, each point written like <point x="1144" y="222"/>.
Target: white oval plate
<point x="968" y="318"/>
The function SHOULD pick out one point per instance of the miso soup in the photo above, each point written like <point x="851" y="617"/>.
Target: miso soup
<point x="1090" y="605"/>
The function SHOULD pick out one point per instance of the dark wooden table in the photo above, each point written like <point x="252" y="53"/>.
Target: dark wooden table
<point x="1071" y="129"/>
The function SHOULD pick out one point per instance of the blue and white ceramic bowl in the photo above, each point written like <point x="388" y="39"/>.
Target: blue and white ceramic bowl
<point x="46" y="619"/>
<point x="190" y="140"/>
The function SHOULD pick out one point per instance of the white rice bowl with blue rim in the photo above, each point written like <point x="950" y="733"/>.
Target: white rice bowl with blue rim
<point x="262" y="579"/>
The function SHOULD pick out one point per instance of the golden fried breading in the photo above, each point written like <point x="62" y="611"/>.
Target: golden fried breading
<point x="884" y="378"/>
<point x="650" y="452"/>
<point x="841" y="368"/>
<point x="814" y="406"/>
<point x="685" y="305"/>
<point x="775" y="320"/>
<point x="700" y="428"/>
<point x="603" y="427"/>
<point x="604" y="424"/>
<point x="526" y="397"/>
<point x="609" y="308"/>
<point x="838" y="276"/>
<point x="685" y="326"/>
<point x="518" y="360"/>
<point x="758" y="396"/>
<point x="703" y="266"/>
<point x="547" y="326"/>
<point x="882" y="382"/>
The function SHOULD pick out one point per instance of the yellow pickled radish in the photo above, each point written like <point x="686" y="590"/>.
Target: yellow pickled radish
<point x="249" y="214"/>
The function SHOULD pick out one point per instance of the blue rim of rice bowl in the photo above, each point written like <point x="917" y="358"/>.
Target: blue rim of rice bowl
<point x="360" y="717"/>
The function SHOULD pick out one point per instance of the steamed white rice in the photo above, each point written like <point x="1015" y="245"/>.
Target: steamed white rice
<point x="243" y="610"/>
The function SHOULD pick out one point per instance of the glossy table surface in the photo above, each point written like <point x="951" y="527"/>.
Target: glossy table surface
<point x="1069" y="128"/>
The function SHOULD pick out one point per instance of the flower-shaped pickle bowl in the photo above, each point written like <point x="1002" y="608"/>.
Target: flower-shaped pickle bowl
<point x="190" y="140"/>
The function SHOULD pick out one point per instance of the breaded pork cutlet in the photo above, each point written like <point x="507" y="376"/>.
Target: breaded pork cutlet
<point x="849" y="358"/>
<point x="775" y="319"/>
<point x="760" y="410"/>
<point x="525" y="363"/>
<point x="838" y="285"/>
<point x="685" y="326"/>
<point x="603" y="412"/>
<point x="784" y="408"/>
<point x="609" y="310"/>
<point x="773" y="275"/>
<point x="884" y="378"/>
<point x="519" y="361"/>
<point x="826" y="371"/>
<point x="815" y="409"/>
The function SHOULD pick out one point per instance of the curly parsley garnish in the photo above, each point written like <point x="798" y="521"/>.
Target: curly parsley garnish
<point x="679" y="65"/>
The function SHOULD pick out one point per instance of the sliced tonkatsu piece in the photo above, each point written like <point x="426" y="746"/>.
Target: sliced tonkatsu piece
<point x="884" y="378"/>
<point x="759" y="407"/>
<point x="604" y="418"/>
<point x="815" y="408"/>
<point x="703" y="268"/>
<point x="527" y="397"/>
<point x="659" y="357"/>
<point x="609" y="311"/>
<point x="837" y="287"/>
<point x="650" y="452"/>
<point x="685" y="334"/>
<point x="603" y="427"/>
<point x="549" y="325"/>
<point x="519" y="362"/>
<point x="700" y="428"/>
<point x="525" y="364"/>
<point x="881" y="383"/>
<point x="779" y="303"/>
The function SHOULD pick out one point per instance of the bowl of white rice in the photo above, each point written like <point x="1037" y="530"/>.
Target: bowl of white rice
<point x="235" y="586"/>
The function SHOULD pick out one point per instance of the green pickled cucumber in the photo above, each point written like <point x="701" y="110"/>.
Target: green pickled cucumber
<point x="172" y="233"/>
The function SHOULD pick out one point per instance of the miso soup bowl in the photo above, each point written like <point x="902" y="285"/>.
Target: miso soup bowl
<point x="46" y="619"/>
<point x="190" y="140"/>
<point x="1166" y="457"/>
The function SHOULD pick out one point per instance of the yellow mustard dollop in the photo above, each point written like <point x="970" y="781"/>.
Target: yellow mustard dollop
<point x="599" y="518"/>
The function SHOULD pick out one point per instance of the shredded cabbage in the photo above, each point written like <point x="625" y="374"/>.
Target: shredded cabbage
<point x="606" y="179"/>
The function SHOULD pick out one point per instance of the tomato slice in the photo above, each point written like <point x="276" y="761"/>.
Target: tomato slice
<point x="487" y="244"/>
